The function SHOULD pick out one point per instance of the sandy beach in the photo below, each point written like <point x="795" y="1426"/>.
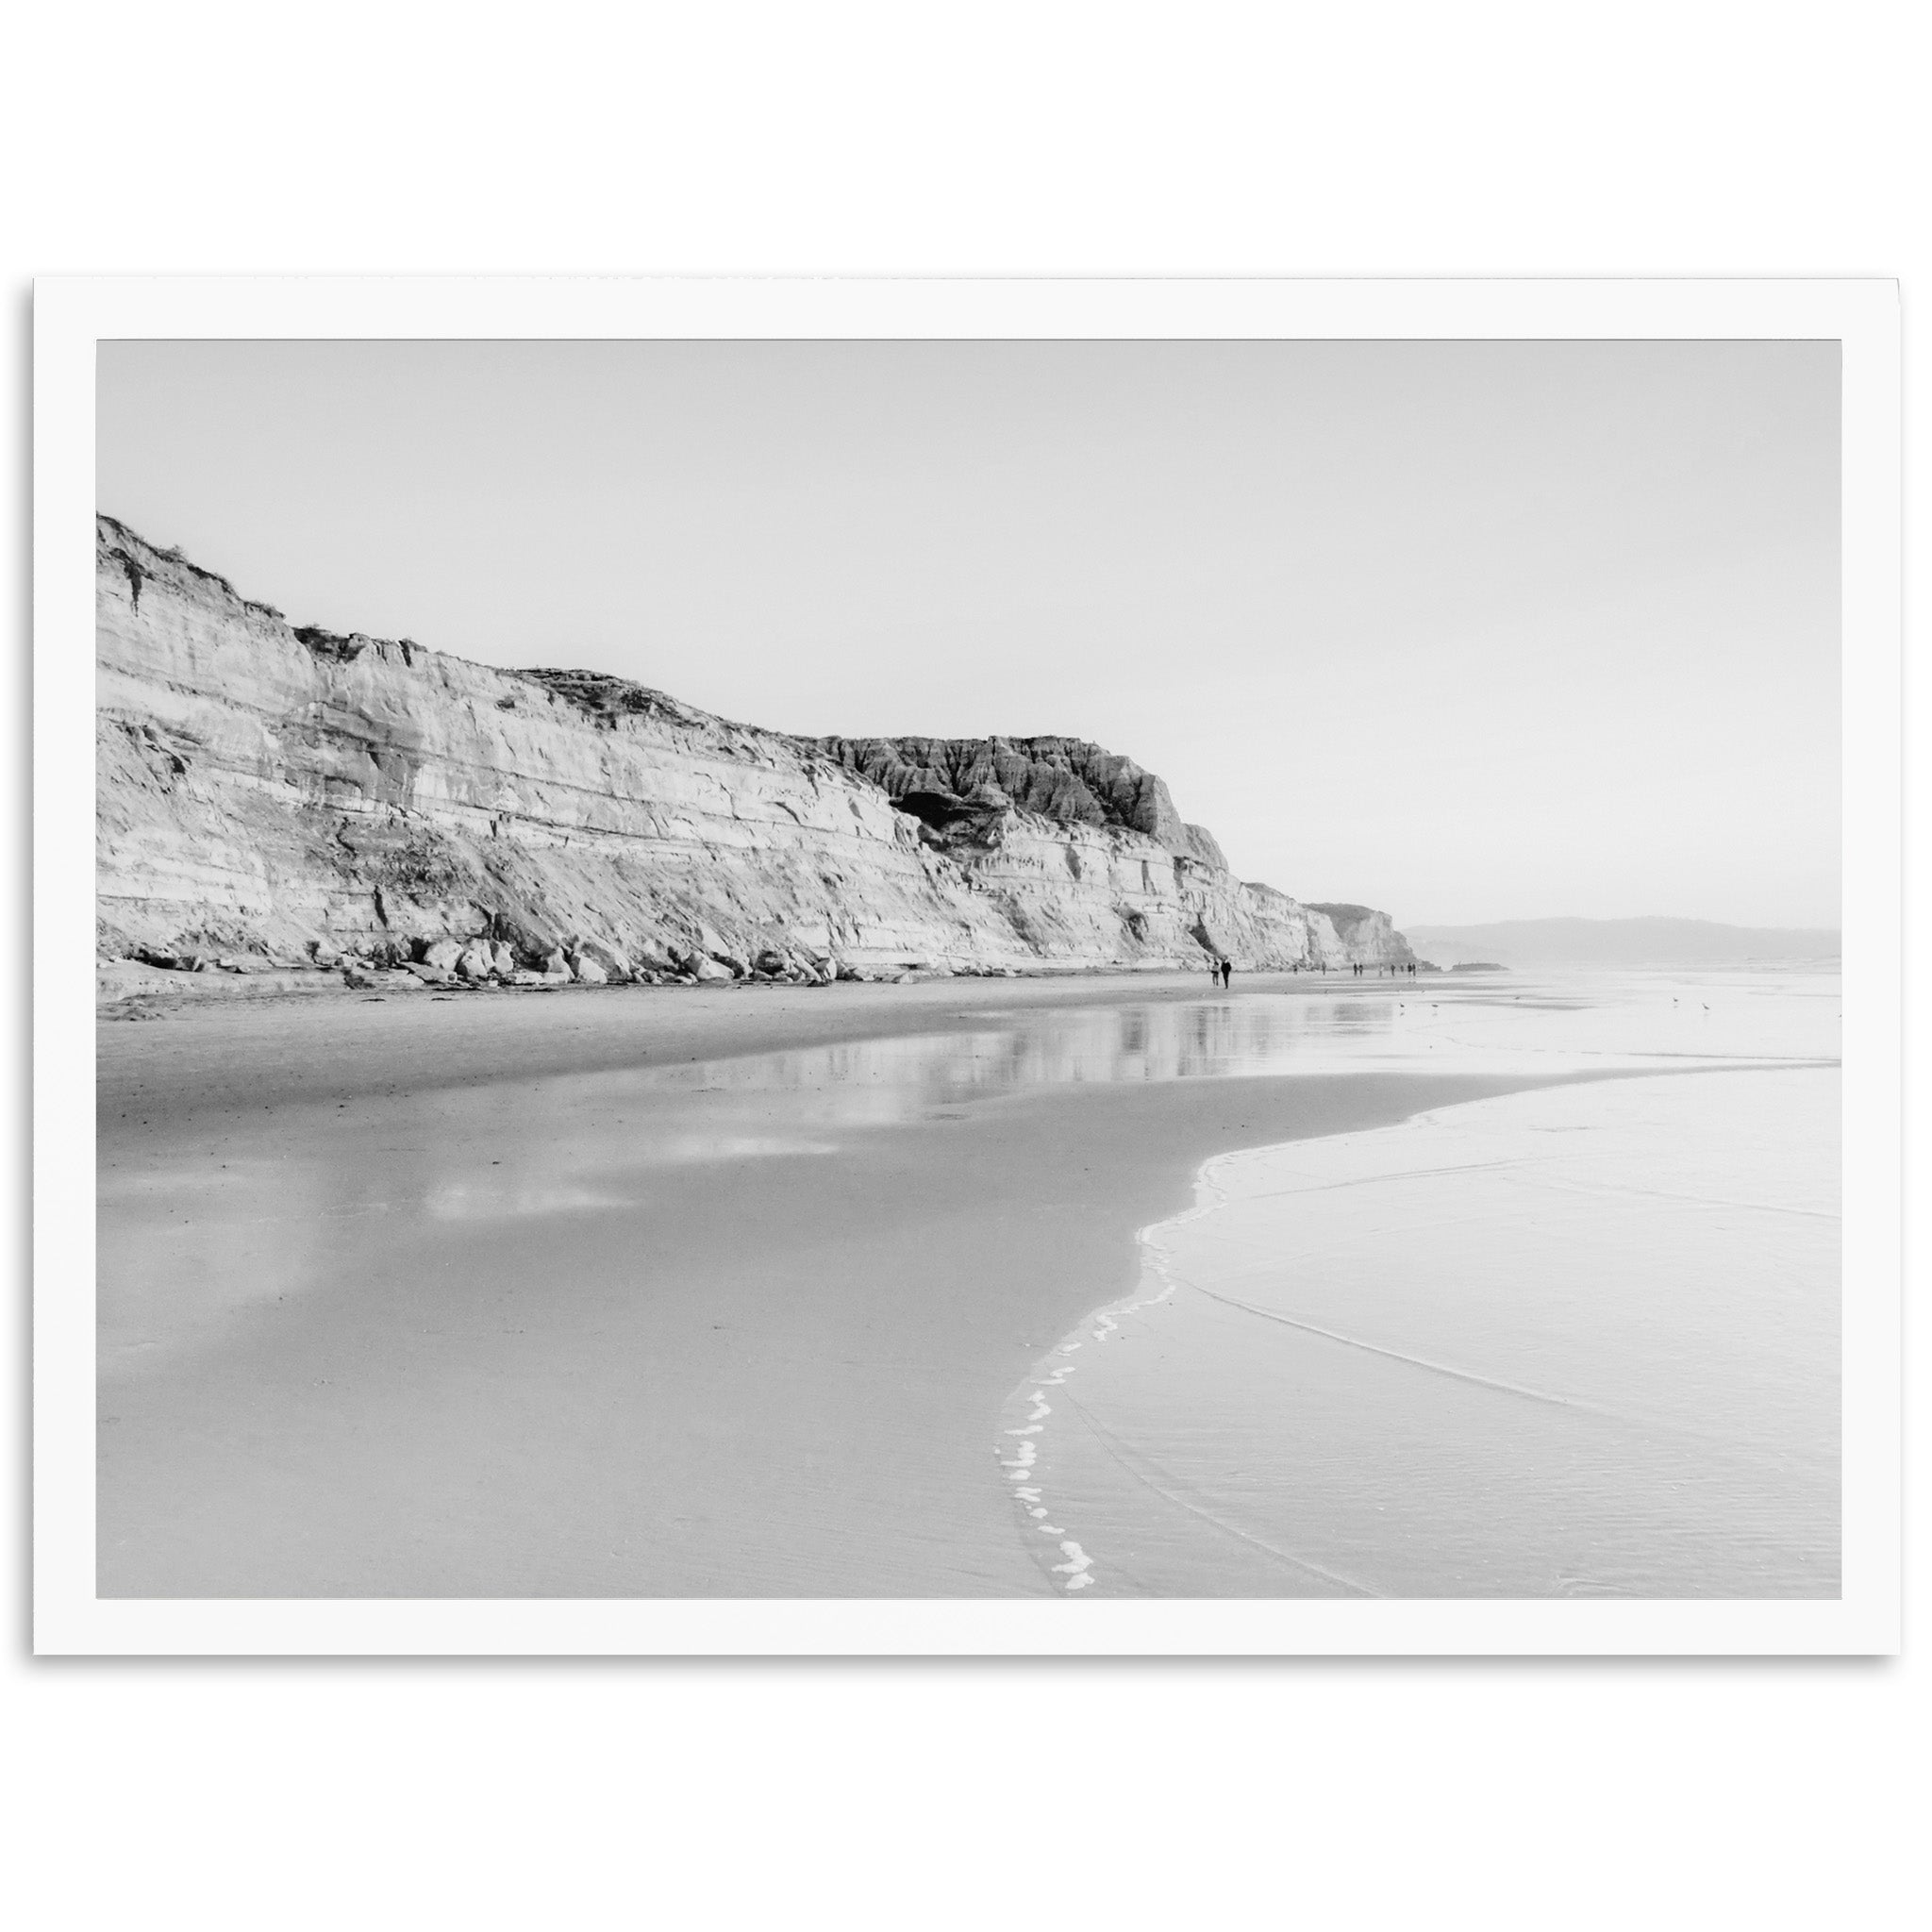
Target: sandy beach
<point x="423" y="1297"/>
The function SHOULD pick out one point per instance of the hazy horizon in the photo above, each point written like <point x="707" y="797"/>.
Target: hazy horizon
<point x="1613" y="942"/>
<point x="1470" y="632"/>
<point x="1627" y="920"/>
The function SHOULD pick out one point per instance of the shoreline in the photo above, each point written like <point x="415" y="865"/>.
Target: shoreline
<point x="334" y="1041"/>
<point x="608" y="1400"/>
<point x="1167" y="1460"/>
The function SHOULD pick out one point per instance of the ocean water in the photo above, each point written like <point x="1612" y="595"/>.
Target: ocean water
<point x="1579" y="1341"/>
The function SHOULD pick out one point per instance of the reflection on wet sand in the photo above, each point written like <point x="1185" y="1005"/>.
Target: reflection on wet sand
<point x="1025" y="1050"/>
<point x="186" y="1244"/>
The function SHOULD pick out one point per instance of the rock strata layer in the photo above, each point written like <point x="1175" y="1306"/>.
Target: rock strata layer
<point x="273" y="796"/>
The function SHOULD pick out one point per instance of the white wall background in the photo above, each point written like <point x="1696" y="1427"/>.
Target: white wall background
<point x="1674" y="139"/>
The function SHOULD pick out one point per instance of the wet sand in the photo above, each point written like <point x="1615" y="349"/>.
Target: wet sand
<point x="226" y="1046"/>
<point x="395" y="1302"/>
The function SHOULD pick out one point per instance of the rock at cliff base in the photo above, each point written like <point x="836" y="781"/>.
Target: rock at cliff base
<point x="588" y="971"/>
<point x="616" y="967"/>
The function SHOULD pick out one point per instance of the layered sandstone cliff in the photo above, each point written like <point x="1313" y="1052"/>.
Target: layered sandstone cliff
<point x="273" y="794"/>
<point x="946" y="781"/>
<point x="1365" y="932"/>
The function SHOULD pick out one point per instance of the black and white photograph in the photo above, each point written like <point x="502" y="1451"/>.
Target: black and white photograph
<point x="968" y="969"/>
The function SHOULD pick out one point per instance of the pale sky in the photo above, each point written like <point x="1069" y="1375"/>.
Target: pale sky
<point x="1465" y="631"/>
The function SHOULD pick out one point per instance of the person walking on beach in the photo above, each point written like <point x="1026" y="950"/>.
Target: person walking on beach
<point x="1226" y="974"/>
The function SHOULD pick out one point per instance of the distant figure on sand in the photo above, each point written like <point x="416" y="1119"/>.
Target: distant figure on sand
<point x="1226" y="973"/>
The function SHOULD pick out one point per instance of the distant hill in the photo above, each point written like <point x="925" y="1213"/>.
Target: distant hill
<point x="1621" y="942"/>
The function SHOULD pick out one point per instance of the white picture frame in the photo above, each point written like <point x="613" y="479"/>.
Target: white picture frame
<point x="73" y="315"/>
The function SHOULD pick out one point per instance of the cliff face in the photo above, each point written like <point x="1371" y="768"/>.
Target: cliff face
<point x="942" y="780"/>
<point x="1367" y="934"/>
<point x="267" y="793"/>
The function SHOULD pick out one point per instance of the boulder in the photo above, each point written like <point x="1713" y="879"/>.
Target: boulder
<point x="477" y="960"/>
<point x="615" y="966"/>
<point x="442" y="954"/>
<point x="588" y="973"/>
<point x="502" y="960"/>
<point x="710" y="972"/>
<point x="736" y="963"/>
